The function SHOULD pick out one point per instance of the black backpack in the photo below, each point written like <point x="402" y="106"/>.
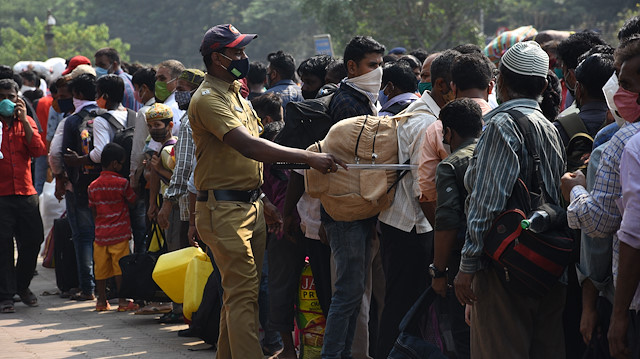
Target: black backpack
<point x="123" y="136"/>
<point x="305" y="122"/>
<point x="580" y="141"/>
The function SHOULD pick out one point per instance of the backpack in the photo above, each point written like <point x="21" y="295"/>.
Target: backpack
<point x="124" y="137"/>
<point x="305" y="122"/>
<point x="85" y="139"/>
<point x="357" y="194"/>
<point x="580" y="142"/>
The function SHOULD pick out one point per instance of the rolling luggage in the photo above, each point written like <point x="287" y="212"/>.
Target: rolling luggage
<point x="64" y="255"/>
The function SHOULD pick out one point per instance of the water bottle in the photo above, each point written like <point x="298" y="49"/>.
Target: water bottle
<point x="540" y="221"/>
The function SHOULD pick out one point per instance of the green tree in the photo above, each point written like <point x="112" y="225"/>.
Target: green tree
<point x="70" y="39"/>
<point x="430" y="24"/>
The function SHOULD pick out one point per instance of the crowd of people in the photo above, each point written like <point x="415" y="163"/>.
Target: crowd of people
<point x="193" y="151"/>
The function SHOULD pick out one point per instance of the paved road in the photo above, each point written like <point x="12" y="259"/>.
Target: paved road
<point x="62" y="328"/>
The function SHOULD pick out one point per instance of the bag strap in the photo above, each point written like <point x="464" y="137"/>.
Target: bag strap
<point x="572" y="124"/>
<point x="112" y="121"/>
<point x="400" y="176"/>
<point x="420" y="306"/>
<point x="524" y="125"/>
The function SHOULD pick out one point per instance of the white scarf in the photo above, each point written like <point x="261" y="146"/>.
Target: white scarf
<point x="368" y="85"/>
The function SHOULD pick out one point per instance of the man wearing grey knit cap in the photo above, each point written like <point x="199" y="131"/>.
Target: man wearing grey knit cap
<point x="505" y="323"/>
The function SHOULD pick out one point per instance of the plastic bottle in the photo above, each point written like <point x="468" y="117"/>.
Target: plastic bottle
<point x="540" y="221"/>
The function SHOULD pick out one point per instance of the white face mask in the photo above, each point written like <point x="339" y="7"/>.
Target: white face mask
<point x="27" y="88"/>
<point x="369" y="82"/>
<point x="609" y="89"/>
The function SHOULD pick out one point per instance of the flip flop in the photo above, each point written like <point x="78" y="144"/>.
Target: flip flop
<point x="130" y="307"/>
<point x="153" y="310"/>
<point x="7" y="307"/>
<point x="103" y="308"/>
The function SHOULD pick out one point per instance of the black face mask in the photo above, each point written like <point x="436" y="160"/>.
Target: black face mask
<point x="309" y="94"/>
<point x="65" y="105"/>
<point x="237" y="68"/>
<point x="158" y="134"/>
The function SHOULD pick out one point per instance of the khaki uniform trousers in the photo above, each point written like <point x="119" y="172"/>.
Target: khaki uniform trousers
<point x="236" y="234"/>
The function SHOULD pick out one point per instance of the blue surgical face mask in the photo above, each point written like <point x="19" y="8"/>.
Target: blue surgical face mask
<point x="101" y="71"/>
<point x="7" y="107"/>
<point x="558" y="73"/>
<point x="424" y="86"/>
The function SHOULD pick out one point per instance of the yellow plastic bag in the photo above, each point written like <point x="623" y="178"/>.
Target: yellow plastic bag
<point x="198" y="272"/>
<point x="310" y="319"/>
<point x="171" y="268"/>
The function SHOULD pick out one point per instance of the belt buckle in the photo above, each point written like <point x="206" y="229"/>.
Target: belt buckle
<point x="253" y="195"/>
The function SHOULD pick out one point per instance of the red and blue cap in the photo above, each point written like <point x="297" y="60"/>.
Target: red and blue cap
<point x="221" y="36"/>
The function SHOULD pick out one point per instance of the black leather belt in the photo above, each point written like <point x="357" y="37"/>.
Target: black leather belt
<point x="230" y="195"/>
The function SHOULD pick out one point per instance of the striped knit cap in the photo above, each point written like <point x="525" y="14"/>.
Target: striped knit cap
<point x="526" y="58"/>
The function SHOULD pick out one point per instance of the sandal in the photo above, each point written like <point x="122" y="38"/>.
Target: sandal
<point x="154" y="310"/>
<point x="130" y="307"/>
<point x="28" y="298"/>
<point x="83" y="297"/>
<point x="171" y="318"/>
<point x="6" y="306"/>
<point x="103" y="308"/>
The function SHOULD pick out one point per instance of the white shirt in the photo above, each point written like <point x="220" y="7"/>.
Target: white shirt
<point x="140" y="135"/>
<point x="103" y="132"/>
<point x="405" y="212"/>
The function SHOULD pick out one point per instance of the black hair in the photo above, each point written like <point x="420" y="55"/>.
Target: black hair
<point x="112" y="85"/>
<point x="145" y="76"/>
<point x="359" y="47"/>
<point x="53" y="86"/>
<point x="131" y="68"/>
<point x="630" y="27"/>
<point x="9" y="84"/>
<point x="33" y="95"/>
<point x="551" y="97"/>
<point x="389" y="59"/>
<point x="627" y="50"/>
<point x="315" y="65"/>
<point x="6" y="72"/>
<point x="112" y="152"/>
<point x="30" y="76"/>
<point x="283" y="63"/>
<point x="468" y="49"/>
<point x="401" y="75"/>
<point x="336" y="70"/>
<point x="570" y="49"/>
<point x="412" y="61"/>
<point x="271" y="130"/>
<point x="268" y="104"/>
<point x="18" y="79"/>
<point x="257" y="73"/>
<point x="472" y="71"/>
<point x="441" y="66"/>
<point x="522" y="86"/>
<point x="110" y="53"/>
<point x="420" y="54"/>
<point x="84" y="84"/>
<point x="594" y="72"/>
<point x="464" y="116"/>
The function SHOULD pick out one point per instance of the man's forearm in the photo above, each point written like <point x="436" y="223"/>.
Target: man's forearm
<point x="295" y="189"/>
<point x="429" y="210"/>
<point x="628" y="279"/>
<point x="442" y="244"/>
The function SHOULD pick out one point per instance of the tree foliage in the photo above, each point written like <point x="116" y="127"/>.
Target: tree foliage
<point x="70" y="39"/>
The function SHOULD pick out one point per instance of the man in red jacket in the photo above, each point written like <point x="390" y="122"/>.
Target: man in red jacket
<point x="19" y="213"/>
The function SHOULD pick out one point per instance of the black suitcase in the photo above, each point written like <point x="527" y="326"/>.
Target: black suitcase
<point x="205" y="322"/>
<point x="65" y="255"/>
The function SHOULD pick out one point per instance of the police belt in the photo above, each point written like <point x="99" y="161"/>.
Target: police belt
<point x="229" y="195"/>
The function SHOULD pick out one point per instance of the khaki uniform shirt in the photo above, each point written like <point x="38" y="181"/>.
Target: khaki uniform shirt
<point x="217" y="108"/>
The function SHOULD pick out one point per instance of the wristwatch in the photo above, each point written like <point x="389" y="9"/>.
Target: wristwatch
<point x="436" y="273"/>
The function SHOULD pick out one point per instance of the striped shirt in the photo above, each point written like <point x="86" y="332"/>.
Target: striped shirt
<point x="498" y="160"/>
<point x="596" y="213"/>
<point x="109" y="195"/>
<point x="405" y="213"/>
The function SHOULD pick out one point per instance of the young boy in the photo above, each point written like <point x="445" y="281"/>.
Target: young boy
<point x="109" y="196"/>
<point x="160" y="124"/>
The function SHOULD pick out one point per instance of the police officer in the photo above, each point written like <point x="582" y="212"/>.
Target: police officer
<point x="230" y="215"/>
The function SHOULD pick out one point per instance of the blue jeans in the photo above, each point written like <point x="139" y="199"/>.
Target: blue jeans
<point x="349" y="243"/>
<point x="40" y="165"/>
<point x="83" y="234"/>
